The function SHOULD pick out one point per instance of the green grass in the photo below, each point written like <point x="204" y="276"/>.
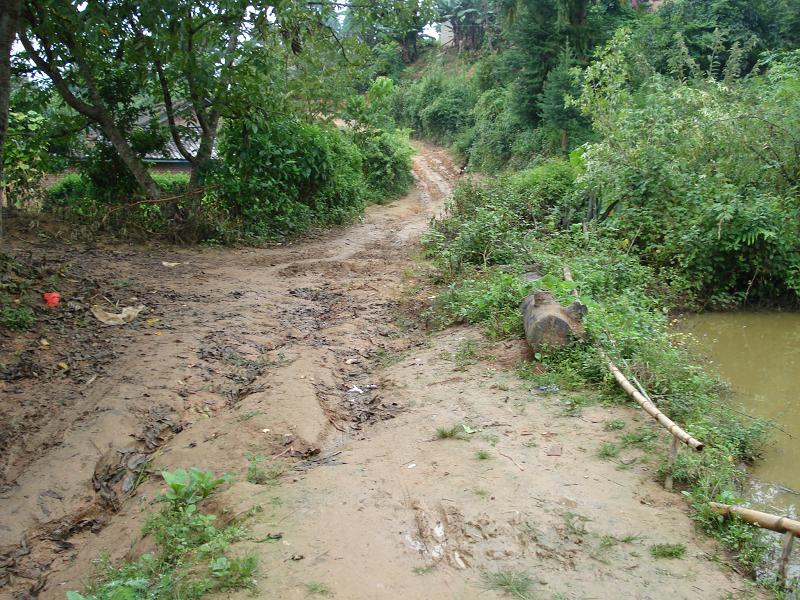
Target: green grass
<point x="190" y="556"/>
<point x="255" y="474"/>
<point x="614" y="425"/>
<point x="16" y="318"/>
<point x="668" y="550"/>
<point x="315" y="588"/>
<point x="423" y="570"/>
<point x="516" y="584"/>
<point x="609" y="450"/>
<point x="459" y="431"/>
<point x="483" y="455"/>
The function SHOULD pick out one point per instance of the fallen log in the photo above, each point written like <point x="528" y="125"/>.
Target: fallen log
<point x="548" y="325"/>
<point x="756" y="517"/>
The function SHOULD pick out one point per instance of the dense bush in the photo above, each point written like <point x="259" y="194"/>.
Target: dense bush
<point x="274" y="177"/>
<point x="436" y="106"/>
<point x="386" y="163"/>
<point x="700" y="177"/>
<point x="76" y="198"/>
<point x="282" y="175"/>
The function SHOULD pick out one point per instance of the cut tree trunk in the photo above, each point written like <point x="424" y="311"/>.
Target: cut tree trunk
<point x="548" y="325"/>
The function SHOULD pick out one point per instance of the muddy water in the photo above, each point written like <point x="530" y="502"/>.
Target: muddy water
<point x="759" y="354"/>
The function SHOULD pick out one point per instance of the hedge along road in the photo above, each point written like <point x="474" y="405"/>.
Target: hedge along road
<point x="312" y="353"/>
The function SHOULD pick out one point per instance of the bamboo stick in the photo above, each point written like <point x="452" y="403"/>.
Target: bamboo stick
<point x="651" y="408"/>
<point x="762" y="519"/>
<point x="786" y="551"/>
<point x="644" y="402"/>
<point x="673" y="454"/>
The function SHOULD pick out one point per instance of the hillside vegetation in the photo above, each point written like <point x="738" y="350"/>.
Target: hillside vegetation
<point x="654" y="153"/>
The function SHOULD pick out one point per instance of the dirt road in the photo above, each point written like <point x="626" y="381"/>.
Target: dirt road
<point x="303" y="352"/>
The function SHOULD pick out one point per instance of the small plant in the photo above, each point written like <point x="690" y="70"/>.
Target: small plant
<point x="517" y="584"/>
<point x="668" y="550"/>
<point x="188" y="487"/>
<point x="609" y="450"/>
<point x="189" y="555"/>
<point x="483" y="455"/>
<point x="315" y="588"/>
<point x="16" y="317"/>
<point x="259" y="476"/>
<point x="642" y="438"/>
<point x="575" y="523"/>
<point x="466" y="354"/>
<point x="423" y="570"/>
<point x="457" y="432"/>
<point x="614" y="425"/>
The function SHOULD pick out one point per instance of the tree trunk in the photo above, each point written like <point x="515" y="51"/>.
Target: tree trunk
<point x="8" y="30"/>
<point x="131" y="160"/>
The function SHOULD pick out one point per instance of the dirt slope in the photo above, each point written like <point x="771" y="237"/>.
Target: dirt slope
<point x="300" y="352"/>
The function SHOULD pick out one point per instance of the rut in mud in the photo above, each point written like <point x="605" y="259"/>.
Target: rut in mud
<point x="301" y="353"/>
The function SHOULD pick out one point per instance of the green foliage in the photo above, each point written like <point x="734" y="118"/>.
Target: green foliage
<point x="190" y="558"/>
<point x="667" y="550"/>
<point x="436" y="106"/>
<point x="275" y="177"/>
<point x="492" y="300"/>
<point x="698" y="177"/>
<point x="16" y="317"/>
<point x="77" y="199"/>
<point x="517" y="584"/>
<point x="386" y="163"/>
<point x="188" y="487"/>
<point x="25" y="156"/>
<point x="627" y="317"/>
<point x="282" y="175"/>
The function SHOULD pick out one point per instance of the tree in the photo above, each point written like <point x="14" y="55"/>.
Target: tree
<point x="401" y="21"/>
<point x="9" y="16"/>
<point x="84" y="50"/>
<point x="115" y="61"/>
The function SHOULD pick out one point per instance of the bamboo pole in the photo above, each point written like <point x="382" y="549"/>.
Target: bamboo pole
<point x="643" y="401"/>
<point x="786" y="551"/>
<point x="762" y="519"/>
<point x="673" y="454"/>
<point x="651" y="408"/>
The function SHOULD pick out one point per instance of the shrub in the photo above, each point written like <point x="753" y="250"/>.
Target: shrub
<point x="282" y="175"/>
<point x="386" y="163"/>
<point x="699" y="177"/>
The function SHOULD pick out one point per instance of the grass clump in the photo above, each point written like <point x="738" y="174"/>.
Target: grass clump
<point x="190" y="558"/>
<point x="516" y="584"/>
<point x="16" y="318"/>
<point x="314" y="588"/>
<point x="667" y="550"/>
<point x="460" y="431"/>
<point x="483" y="455"/>
<point x="609" y="450"/>
<point x="260" y="476"/>
<point x="614" y="425"/>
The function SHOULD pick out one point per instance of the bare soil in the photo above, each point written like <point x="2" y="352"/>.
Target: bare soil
<point x="313" y="354"/>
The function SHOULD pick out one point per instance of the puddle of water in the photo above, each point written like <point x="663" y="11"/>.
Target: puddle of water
<point x="758" y="353"/>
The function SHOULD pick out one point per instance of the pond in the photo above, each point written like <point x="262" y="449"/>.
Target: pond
<point x="758" y="353"/>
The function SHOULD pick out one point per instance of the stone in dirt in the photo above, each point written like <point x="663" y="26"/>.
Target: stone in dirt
<point x="549" y="325"/>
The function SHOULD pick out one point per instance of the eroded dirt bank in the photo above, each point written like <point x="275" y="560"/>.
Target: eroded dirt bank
<point x="300" y="353"/>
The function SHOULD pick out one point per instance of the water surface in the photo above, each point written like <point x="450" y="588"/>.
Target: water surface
<point x="758" y="353"/>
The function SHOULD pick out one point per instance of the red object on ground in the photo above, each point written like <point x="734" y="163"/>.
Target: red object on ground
<point x="52" y="299"/>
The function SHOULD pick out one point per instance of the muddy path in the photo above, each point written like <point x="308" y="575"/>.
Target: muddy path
<point x="312" y="354"/>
